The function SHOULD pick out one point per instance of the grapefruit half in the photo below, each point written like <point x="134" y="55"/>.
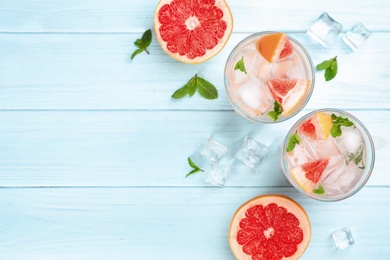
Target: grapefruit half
<point x="192" y="31"/>
<point x="269" y="227"/>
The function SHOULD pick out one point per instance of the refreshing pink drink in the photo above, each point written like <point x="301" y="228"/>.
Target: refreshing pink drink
<point x="328" y="155"/>
<point x="269" y="77"/>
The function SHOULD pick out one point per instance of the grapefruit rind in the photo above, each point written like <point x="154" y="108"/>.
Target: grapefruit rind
<point x="271" y="46"/>
<point x="323" y="124"/>
<point x="294" y="96"/>
<point x="300" y="179"/>
<point x="282" y="201"/>
<point x="227" y="17"/>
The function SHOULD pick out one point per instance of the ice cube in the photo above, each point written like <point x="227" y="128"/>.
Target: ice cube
<point x="350" y="143"/>
<point x="217" y="174"/>
<point x="213" y="150"/>
<point x="343" y="238"/>
<point x="325" y="30"/>
<point x="342" y="179"/>
<point x="251" y="152"/>
<point x="253" y="63"/>
<point x="354" y="37"/>
<point x="255" y="95"/>
<point x="286" y="68"/>
<point x="301" y="154"/>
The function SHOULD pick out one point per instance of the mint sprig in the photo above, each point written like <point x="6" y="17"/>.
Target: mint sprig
<point x="337" y="123"/>
<point x="330" y="67"/>
<point x="240" y="65"/>
<point x="204" y="87"/>
<point x="142" y="43"/>
<point x="194" y="166"/>
<point x="274" y="114"/>
<point x="292" y="141"/>
<point x="320" y="190"/>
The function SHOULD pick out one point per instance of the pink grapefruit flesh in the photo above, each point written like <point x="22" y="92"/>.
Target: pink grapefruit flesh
<point x="269" y="227"/>
<point x="192" y="31"/>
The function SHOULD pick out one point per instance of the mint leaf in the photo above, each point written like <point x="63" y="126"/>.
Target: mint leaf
<point x="292" y="141"/>
<point x="320" y="190"/>
<point x="344" y="121"/>
<point x="330" y="66"/>
<point x="240" y="65"/>
<point x="147" y="38"/>
<point x="181" y="92"/>
<point x="335" y="130"/>
<point x="337" y="123"/>
<point x="193" y="165"/>
<point x="325" y="64"/>
<point x="142" y="43"/>
<point x="135" y="53"/>
<point x="276" y="112"/>
<point x="359" y="159"/>
<point x="206" y="89"/>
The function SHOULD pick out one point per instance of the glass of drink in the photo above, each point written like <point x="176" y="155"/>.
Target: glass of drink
<point x="269" y="77"/>
<point x="328" y="155"/>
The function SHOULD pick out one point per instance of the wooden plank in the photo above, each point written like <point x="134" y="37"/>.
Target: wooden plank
<point x="128" y="16"/>
<point x="77" y="71"/>
<point x="145" y="148"/>
<point x="171" y="223"/>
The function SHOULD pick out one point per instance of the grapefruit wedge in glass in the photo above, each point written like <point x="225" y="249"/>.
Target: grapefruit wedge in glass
<point x="192" y="31"/>
<point x="269" y="227"/>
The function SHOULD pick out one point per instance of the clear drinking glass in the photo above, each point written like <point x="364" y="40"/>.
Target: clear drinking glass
<point x="249" y="94"/>
<point x="324" y="167"/>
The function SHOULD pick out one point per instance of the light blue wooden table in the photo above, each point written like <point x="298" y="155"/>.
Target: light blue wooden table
<point x="93" y="150"/>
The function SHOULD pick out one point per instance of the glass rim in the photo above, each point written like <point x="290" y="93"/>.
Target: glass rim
<point x="237" y="109"/>
<point x="366" y="174"/>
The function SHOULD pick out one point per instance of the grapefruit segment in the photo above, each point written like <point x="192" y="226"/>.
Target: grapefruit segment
<point x="192" y="31"/>
<point x="274" y="46"/>
<point x="288" y="92"/>
<point x="269" y="227"/>
<point x="307" y="175"/>
<point x="318" y="126"/>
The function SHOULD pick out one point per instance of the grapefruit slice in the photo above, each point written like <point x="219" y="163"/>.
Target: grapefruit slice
<point x="288" y="92"/>
<point x="192" y="31"/>
<point x="308" y="174"/>
<point x="269" y="227"/>
<point x="274" y="46"/>
<point x="318" y="126"/>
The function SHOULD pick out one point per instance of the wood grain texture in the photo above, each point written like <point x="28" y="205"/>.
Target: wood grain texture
<point x="78" y="71"/>
<point x="144" y="148"/>
<point x="190" y="223"/>
<point x="129" y="16"/>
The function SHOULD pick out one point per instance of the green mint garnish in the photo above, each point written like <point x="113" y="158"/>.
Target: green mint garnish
<point x="240" y="65"/>
<point x="142" y="43"/>
<point x="359" y="159"/>
<point x="276" y="112"/>
<point x="330" y="67"/>
<point x="193" y="165"/>
<point x="320" y="190"/>
<point x="339" y="121"/>
<point x="294" y="140"/>
<point x="205" y="89"/>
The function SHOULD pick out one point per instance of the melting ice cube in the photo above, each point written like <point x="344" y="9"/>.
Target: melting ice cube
<point x="350" y="143"/>
<point x="217" y="174"/>
<point x="255" y="65"/>
<point x="255" y="95"/>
